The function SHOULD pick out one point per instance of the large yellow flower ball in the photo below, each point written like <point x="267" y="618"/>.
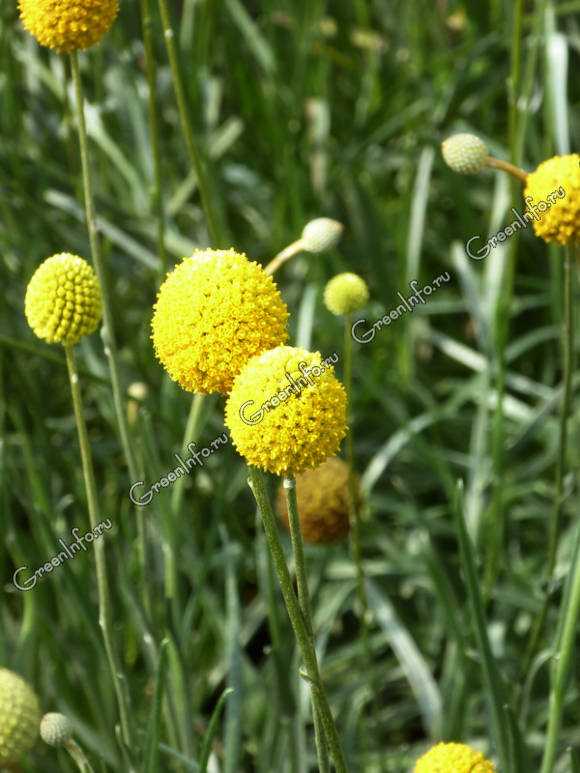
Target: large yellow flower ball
<point x="214" y="312"/>
<point x="63" y="300"/>
<point x="19" y="717"/>
<point x="287" y="410"/>
<point x="453" y="758"/>
<point x="552" y="196"/>
<point x="323" y="502"/>
<point x="68" y="25"/>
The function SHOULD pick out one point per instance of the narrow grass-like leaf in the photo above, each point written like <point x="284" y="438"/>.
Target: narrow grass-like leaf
<point x="212" y="730"/>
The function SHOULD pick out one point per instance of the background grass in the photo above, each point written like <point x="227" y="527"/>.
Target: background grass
<point x="304" y="108"/>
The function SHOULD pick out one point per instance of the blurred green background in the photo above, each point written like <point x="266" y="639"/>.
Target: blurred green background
<point x="302" y="108"/>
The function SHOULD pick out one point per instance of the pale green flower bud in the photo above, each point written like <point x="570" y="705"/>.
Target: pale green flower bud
<point x="465" y="153"/>
<point x="55" y="729"/>
<point x="321" y="234"/>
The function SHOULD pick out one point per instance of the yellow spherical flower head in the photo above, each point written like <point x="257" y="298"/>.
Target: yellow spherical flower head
<point x="323" y="502"/>
<point x="345" y="293"/>
<point x="453" y="758"/>
<point x="552" y="197"/>
<point x="68" y="25"/>
<point x="214" y="312"/>
<point x="287" y="410"/>
<point x="63" y="300"/>
<point x="19" y="717"/>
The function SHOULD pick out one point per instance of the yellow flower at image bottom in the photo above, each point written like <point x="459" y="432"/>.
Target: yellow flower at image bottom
<point x="287" y="410"/>
<point x="214" y="312"/>
<point x="19" y="717"/>
<point x="63" y="300"/>
<point x="453" y="758"/>
<point x="552" y="196"/>
<point x="68" y="25"/>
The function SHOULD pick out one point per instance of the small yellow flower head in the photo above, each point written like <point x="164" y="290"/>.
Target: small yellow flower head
<point x="552" y="196"/>
<point x="321" y="234"/>
<point x="63" y="300"/>
<point x="287" y="410"/>
<point x="68" y="25"/>
<point x="214" y="311"/>
<point x="55" y="729"/>
<point x="453" y="758"/>
<point x="464" y="153"/>
<point x="19" y="717"/>
<point x="323" y="499"/>
<point x="345" y="293"/>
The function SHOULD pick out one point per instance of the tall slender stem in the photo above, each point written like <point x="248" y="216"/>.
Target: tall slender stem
<point x="212" y="214"/>
<point x="354" y="513"/>
<point x="108" y="330"/>
<point x="307" y="649"/>
<point x="563" y="661"/>
<point x="78" y="756"/>
<point x="105" y="613"/>
<point x="151" y="71"/>
<point x="289" y="484"/>
<point x="565" y="408"/>
<point x="108" y="333"/>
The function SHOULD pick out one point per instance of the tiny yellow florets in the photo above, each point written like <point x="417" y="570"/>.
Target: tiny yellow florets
<point x="214" y="312"/>
<point x="552" y="196"/>
<point x="63" y="300"/>
<point x="19" y="717"/>
<point x="68" y="25"/>
<point x="287" y="410"/>
<point x="453" y="758"/>
<point x="345" y="293"/>
<point x="323" y="502"/>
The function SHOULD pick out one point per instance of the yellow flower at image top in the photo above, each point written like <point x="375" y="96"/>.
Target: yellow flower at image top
<point x="68" y="25"/>
<point x="19" y="717"/>
<point x="552" y="194"/>
<point x="453" y="758"/>
<point x="322" y="496"/>
<point x="287" y="410"/>
<point x="63" y="300"/>
<point x="214" y="312"/>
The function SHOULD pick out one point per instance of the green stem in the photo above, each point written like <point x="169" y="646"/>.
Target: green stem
<point x="562" y="663"/>
<point x="565" y="408"/>
<point x="289" y="484"/>
<point x="354" y="513"/>
<point x="207" y="199"/>
<point x="78" y="756"/>
<point x="151" y="71"/>
<point x="493" y="682"/>
<point x="105" y="614"/>
<point x="108" y="333"/>
<point x="258" y="487"/>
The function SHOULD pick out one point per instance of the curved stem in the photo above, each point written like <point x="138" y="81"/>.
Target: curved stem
<point x="284" y="256"/>
<point x="78" y="756"/>
<point x="289" y="484"/>
<point x="257" y="485"/>
<point x="105" y="614"/>
<point x="505" y="166"/>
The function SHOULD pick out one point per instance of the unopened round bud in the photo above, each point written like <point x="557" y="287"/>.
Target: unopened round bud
<point x="464" y="153"/>
<point x="321" y="234"/>
<point x="345" y="293"/>
<point x="55" y="729"/>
